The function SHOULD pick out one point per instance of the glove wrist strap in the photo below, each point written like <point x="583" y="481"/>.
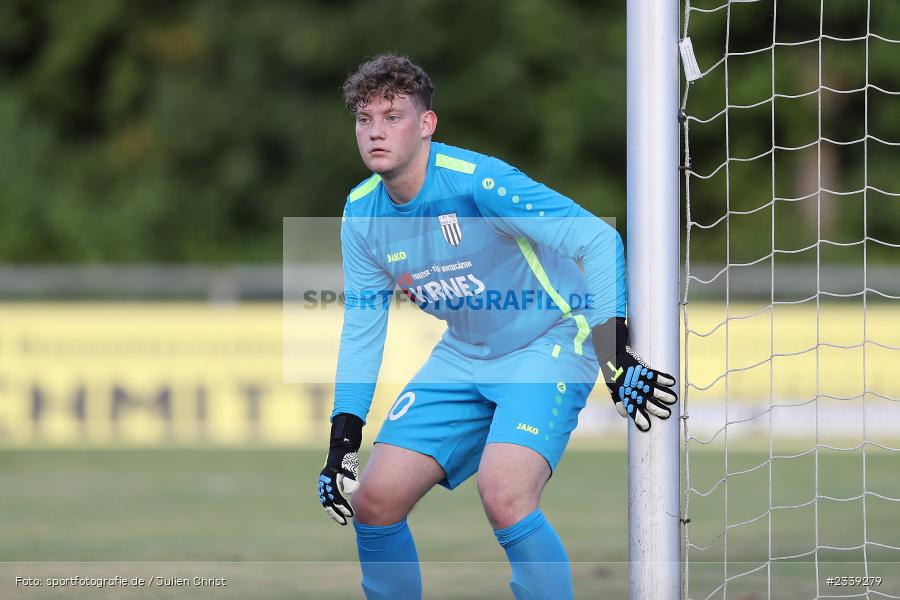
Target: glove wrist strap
<point x="346" y="432"/>
<point x="610" y="342"/>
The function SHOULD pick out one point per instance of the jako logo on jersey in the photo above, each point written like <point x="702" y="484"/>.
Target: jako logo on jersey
<point x="450" y="227"/>
<point x="395" y="256"/>
<point x="445" y="289"/>
<point x="487" y="183"/>
<point x="528" y="428"/>
<point x="397" y="410"/>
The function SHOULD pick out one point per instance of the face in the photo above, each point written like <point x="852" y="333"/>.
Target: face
<point x="390" y="134"/>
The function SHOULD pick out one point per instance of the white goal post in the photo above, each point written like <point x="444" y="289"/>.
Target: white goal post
<point x="653" y="290"/>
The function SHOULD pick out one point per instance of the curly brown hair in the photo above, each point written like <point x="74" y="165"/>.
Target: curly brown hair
<point x="388" y="75"/>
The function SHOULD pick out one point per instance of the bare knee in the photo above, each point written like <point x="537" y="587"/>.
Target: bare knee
<point x="394" y="480"/>
<point x="375" y="505"/>
<point x="505" y="505"/>
<point x="510" y="480"/>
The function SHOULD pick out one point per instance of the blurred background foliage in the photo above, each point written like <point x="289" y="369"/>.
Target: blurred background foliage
<point x="832" y="137"/>
<point x="184" y="131"/>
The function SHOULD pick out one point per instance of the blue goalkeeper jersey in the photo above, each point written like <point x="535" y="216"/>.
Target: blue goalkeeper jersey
<point x="498" y="256"/>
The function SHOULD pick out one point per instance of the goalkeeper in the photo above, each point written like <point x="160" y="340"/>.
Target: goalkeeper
<point x="532" y="288"/>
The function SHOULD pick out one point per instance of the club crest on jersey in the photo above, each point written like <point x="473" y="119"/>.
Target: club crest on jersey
<point x="450" y="227"/>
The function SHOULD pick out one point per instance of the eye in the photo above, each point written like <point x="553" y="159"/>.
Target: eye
<point x="393" y="118"/>
<point x="362" y="120"/>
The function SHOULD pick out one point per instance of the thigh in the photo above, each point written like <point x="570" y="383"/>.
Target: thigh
<point x="499" y="460"/>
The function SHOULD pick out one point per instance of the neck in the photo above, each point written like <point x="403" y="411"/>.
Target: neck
<point x="405" y="184"/>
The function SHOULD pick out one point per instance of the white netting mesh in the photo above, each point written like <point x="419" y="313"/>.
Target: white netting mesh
<point x="792" y="329"/>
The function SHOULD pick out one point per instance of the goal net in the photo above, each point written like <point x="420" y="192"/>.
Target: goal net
<point x="791" y="420"/>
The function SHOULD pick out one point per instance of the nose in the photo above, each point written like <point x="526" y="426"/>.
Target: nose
<point x="376" y="131"/>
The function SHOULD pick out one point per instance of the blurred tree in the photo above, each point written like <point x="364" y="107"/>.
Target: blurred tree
<point x="184" y="131"/>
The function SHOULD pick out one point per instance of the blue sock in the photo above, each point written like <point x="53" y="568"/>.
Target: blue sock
<point x="540" y="566"/>
<point x="390" y="564"/>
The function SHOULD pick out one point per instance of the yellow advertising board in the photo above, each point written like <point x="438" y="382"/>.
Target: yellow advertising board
<point x="127" y="373"/>
<point x="195" y="373"/>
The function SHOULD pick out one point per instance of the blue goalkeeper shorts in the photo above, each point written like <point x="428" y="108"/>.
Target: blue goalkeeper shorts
<point x="455" y="405"/>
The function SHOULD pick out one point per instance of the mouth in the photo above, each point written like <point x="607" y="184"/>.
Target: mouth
<point x="378" y="151"/>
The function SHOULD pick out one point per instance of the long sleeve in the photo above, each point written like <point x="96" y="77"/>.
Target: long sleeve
<point x="520" y="207"/>
<point x="367" y="289"/>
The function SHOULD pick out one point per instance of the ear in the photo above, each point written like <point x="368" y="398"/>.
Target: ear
<point x="428" y="123"/>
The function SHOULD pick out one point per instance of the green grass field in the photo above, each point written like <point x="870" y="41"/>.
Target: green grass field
<point x="252" y="517"/>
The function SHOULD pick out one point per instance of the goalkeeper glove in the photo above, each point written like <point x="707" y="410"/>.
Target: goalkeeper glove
<point x="637" y="390"/>
<point x="339" y="478"/>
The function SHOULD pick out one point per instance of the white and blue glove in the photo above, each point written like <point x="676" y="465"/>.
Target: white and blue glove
<point x="340" y="477"/>
<point x="637" y="390"/>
